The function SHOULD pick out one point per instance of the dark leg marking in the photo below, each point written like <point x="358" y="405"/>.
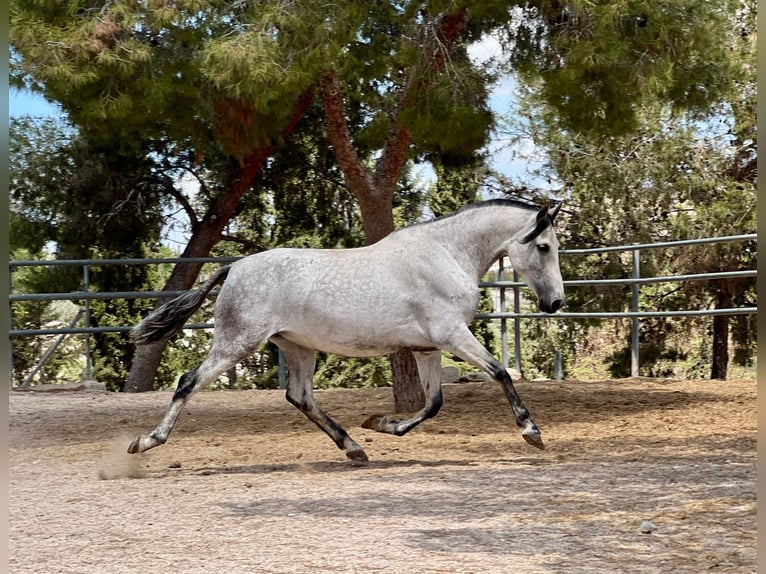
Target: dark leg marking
<point x="186" y="385"/>
<point x="301" y="363"/>
<point x="531" y="433"/>
<point x="429" y="369"/>
<point x="520" y="411"/>
<point x="465" y="345"/>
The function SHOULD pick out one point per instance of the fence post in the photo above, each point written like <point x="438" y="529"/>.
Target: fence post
<point x="10" y="326"/>
<point x="282" y="369"/>
<point x="558" y="366"/>
<point x="517" y="323"/>
<point x="503" y="322"/>
<point x="86" y="288"/>
<point x="634" y="332"/>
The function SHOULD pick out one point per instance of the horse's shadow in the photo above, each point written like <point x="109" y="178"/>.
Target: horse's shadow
<point x="316" y="466"/>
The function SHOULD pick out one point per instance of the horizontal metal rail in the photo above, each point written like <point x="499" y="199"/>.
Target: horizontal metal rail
<point x="636" y="281"/>
<point x="659" y="245"/>
<point x="139" y="261"/>
<point x="620" y="314"/>
<point x="103" y="262"/>
<point x="89" y="295"/>
<point x="86" y="330"/>
<point x="509" y="315"/>
<point x="94" y="295"/>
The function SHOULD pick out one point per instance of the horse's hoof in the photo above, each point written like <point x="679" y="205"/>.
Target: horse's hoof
<point x="357" y="455"/>
<point x="373" y="422"/>
<point x="142" y="444"/>
<point x="533" y="437"/>
<point x="135" y="446"/>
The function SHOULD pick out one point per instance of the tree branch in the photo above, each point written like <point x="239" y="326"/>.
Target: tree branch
<point x="433" y="57"/>
<point x="357" y="177"/>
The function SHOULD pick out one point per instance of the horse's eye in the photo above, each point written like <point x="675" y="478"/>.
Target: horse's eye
<point x="544" y="247"/>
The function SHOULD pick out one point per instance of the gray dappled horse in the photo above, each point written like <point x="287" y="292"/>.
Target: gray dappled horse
<point x="415" y="289"/>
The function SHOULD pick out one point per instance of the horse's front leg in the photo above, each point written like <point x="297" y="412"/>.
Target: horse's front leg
<point x="429" y="369"/>
<point x="464" y="345"/>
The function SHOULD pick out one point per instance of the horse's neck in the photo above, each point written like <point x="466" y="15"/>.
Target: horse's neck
<point x="476" y="237"/>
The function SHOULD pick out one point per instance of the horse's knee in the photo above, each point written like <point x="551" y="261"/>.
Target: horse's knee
<point x="186" y="385"/>
<point x="298" y="398"/>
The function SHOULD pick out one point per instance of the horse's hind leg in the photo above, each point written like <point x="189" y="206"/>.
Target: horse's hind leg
<point x="301" y="363"/>
<point x="216" y="363"/>
<point x="464" y="345"/>
<point x="429" y="369"/>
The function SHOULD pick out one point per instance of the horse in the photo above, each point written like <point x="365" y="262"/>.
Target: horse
<point x="415" y="289"/>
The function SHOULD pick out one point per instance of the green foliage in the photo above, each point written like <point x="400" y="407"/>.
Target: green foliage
<point x="598" y="64"/>
<point x="185" y="71"/>
<point x="453" y="117"/>
<point x="64" y="365"/>
<point x="66" y="191"/>
<point x="335" y="371"/>
<point x="457" y="184"/>
<point x="310" y="203"/>
<point x="680" y="168"/>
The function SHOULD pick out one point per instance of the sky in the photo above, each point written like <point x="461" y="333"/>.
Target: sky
<point x="25" y="103"/>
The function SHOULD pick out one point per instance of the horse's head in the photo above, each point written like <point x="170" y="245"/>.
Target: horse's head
<point x="534" y="253"/>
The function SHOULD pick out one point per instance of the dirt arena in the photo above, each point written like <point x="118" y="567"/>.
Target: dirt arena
<point x="247" y="484"/>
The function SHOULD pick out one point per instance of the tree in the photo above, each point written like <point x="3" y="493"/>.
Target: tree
<point x="79" y="200"/>
<point x="595" y="66"/>
<point x="214" y="77"/>
<point x="413" y="101"/>
<point x="199" y="79"/>
<point x="224" y="85"/>
<point x="683" y="166"/>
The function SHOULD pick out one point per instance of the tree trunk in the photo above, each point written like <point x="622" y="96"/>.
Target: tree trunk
<point x="408" y="392"/>
<point x="375" y="191"/>
<point x="146" y="361"/>
<point x="720" y="364"/>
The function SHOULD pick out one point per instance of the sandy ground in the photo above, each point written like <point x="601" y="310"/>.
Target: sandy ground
<point x="247" y="484"/>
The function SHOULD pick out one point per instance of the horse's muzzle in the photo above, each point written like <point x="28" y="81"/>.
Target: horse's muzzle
<point x="551" y="306"/>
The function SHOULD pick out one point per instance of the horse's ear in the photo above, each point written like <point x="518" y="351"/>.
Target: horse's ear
<point x="555" y="210"/>
<point x="542" y="220"/>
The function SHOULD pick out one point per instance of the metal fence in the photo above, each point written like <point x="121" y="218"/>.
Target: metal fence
<point x="635" y="281"/>
<point x="503" y="315"/>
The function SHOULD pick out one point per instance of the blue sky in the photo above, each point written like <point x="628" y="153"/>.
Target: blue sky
<point x="25" y="103"/>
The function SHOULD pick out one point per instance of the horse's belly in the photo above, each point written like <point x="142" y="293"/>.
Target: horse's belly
<point x="351" y="339"/>
<point x="345" y="349"/>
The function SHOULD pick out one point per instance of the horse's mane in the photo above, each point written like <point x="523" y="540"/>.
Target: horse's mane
<point x="477" y="205"/>
<point x="495" y="202"/>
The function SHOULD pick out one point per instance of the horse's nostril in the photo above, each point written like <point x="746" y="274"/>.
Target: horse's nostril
<point x="556" y="305"/>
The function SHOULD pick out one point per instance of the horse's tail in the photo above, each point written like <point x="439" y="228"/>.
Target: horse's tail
<point x="169" y="319"/>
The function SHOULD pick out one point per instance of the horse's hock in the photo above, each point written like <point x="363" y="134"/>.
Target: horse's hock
<point x="249" y="485"/>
